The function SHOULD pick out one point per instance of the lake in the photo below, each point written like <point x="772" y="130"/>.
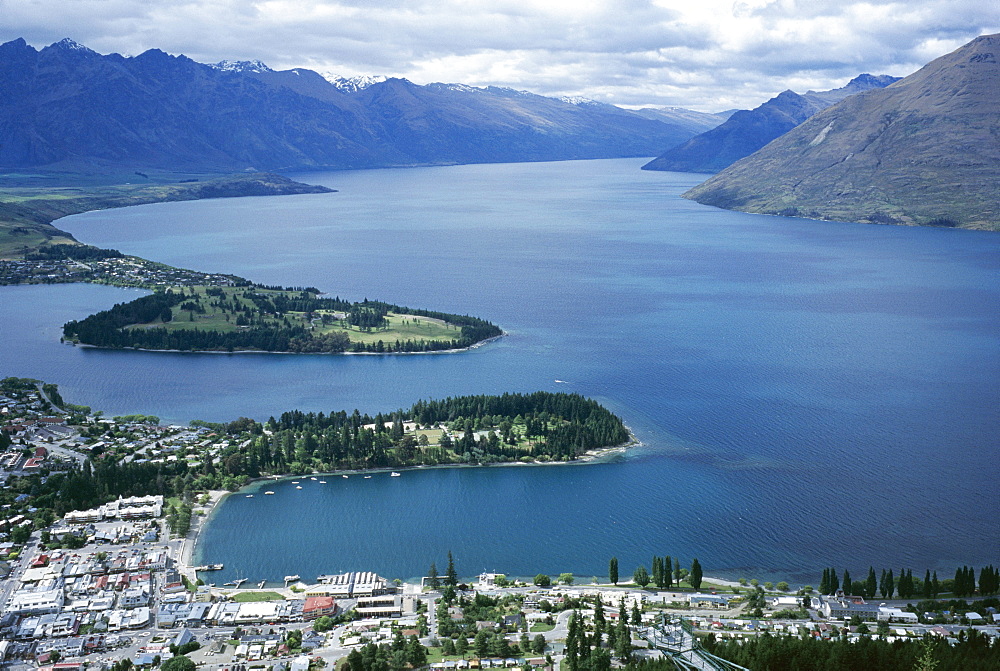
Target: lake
<point x="808" y="394"/>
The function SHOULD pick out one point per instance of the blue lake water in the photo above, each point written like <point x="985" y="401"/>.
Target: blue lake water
<point x="808" y="393"/>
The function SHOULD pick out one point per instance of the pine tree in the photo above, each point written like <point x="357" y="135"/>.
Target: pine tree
<point x="451" y="577"/>
<point x="928" y="593"/>
<point x="846" y="583"/>
<point x="613" y="570"/>
<point x="677" y="571"/>
<point x="433" y="579"/>
<point x="936" y="586"/>
<point x="881" y="585"/>
<point x="890" y="585"/>
<point x="870" y="584"/>
<point x="695" y="577"/>
<point x="834" y="583"/>
<point x="824" y="582"/>
<point x="667" y="578"/>
<point x="658" y="572"/>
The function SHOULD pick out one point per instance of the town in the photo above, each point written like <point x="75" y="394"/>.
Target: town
<point x="92" y="588"/>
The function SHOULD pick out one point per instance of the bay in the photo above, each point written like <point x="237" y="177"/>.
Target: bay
<point x="807" y="393"/>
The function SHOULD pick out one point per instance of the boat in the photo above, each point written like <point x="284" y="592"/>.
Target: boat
<point x="249" y="496"/>
<point x="269" y="493"/>
<point x="238" y="582"/>
<point x="394" y="474"/>
<point x="229" y="584"/>
<point x="322" y="482"/>
<point x="344" y="476"/>
<point x="368" y="477"/>
<point x="291" y="578"/>
<point x="312" y="478"/>
<point x="210" y="567"/>
<point x="299" y="487"/>
<point x="261" y="584"/>
<point x="295" y="482"/>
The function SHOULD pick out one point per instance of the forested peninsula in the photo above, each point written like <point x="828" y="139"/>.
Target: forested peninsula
<point x="540" y="427"/>
<point x="252" y="317"/>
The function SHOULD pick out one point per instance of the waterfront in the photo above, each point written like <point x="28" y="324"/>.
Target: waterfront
<point x="808" y="394"/>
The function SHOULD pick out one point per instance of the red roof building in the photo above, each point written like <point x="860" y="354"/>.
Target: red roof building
<point x="318" y="606"/>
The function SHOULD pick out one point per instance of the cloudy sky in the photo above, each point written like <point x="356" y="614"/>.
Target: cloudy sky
<point x="708" y="55"/>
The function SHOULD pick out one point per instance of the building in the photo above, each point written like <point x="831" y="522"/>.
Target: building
<point x="318" y="606"/>
<point x="844" y="609"/>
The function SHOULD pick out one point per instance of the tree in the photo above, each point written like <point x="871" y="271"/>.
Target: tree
<point x="695" y="577"/>
<point x="667" y="581"/>
<point x="677" y="571"/>
<point x="565" y="579"/>
<point x="871" y="584"/>
<point x="323" y="623"/>
<point x="538" y="644"/>
<point x="782" y="586"/>
<point x="846" y="582"/>
<point x="432" y="577"/>
<point x="462" y="645"/>
<point x="613" y="570"/>
<point x="178" y="663"/>
<point x="451" y="577"/>
<point x="542" y="580"/>
<point x="658" y="572"/>
<point x="641" y="577"/>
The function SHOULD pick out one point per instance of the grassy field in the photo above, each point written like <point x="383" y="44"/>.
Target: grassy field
<point x="221" y="313"/>
<point x="250" y="597"/>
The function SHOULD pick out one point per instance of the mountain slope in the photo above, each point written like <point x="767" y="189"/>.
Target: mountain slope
<point x="68" y="107"/>
<point x="746" y="131"/>
<point x="925" y="150"/>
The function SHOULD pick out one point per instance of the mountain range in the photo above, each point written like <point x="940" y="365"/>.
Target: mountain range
<point x="925" y="150"/>
<point x="67" y="107"/>
<point x="746" y="131"/>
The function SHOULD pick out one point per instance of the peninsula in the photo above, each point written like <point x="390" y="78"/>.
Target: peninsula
<point x="194" y="311"/>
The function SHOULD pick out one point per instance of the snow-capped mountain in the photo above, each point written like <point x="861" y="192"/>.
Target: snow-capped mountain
<point x="353" y="84"/>
<point x="241" y="66"/>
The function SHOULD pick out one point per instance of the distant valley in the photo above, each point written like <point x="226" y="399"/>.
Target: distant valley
<point x="746" y="131"/>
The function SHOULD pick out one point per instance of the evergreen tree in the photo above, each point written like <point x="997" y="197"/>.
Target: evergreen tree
<point x="658" y="572"/>
<point x="451" y="577"/>
<point x="824" y="582"/>
<point x="846" y="582"/>
<point x="870" y="584"/>
<point x="667" y="573"/>
<point x="641" y="577"/>
<point x="613" y="570"/>
<point x="433" y="580"/>
<point x="695" y="577"/>
<point x="928" y="592"/>
<point x="677" y="571"/>
<point x="890" y="585"/>
<point x="573" y="643"/>
<point x="834" y="583"/>
<point x="935" y="586"/>
<point x="623" y="637"/>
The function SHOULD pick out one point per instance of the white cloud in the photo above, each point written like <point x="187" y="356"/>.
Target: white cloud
<point x="710" y="55"/>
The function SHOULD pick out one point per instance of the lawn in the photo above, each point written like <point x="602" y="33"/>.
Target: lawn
<point x="249" y="597"/>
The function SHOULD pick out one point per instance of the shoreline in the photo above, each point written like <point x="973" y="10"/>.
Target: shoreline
<point x="186" y="553"/>
<point x="473" y="346"/>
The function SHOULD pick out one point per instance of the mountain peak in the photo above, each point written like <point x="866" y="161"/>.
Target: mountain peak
<point x="353" y="84"/>
<point x="253" y="67"/>
<point x="922" y="151"/>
